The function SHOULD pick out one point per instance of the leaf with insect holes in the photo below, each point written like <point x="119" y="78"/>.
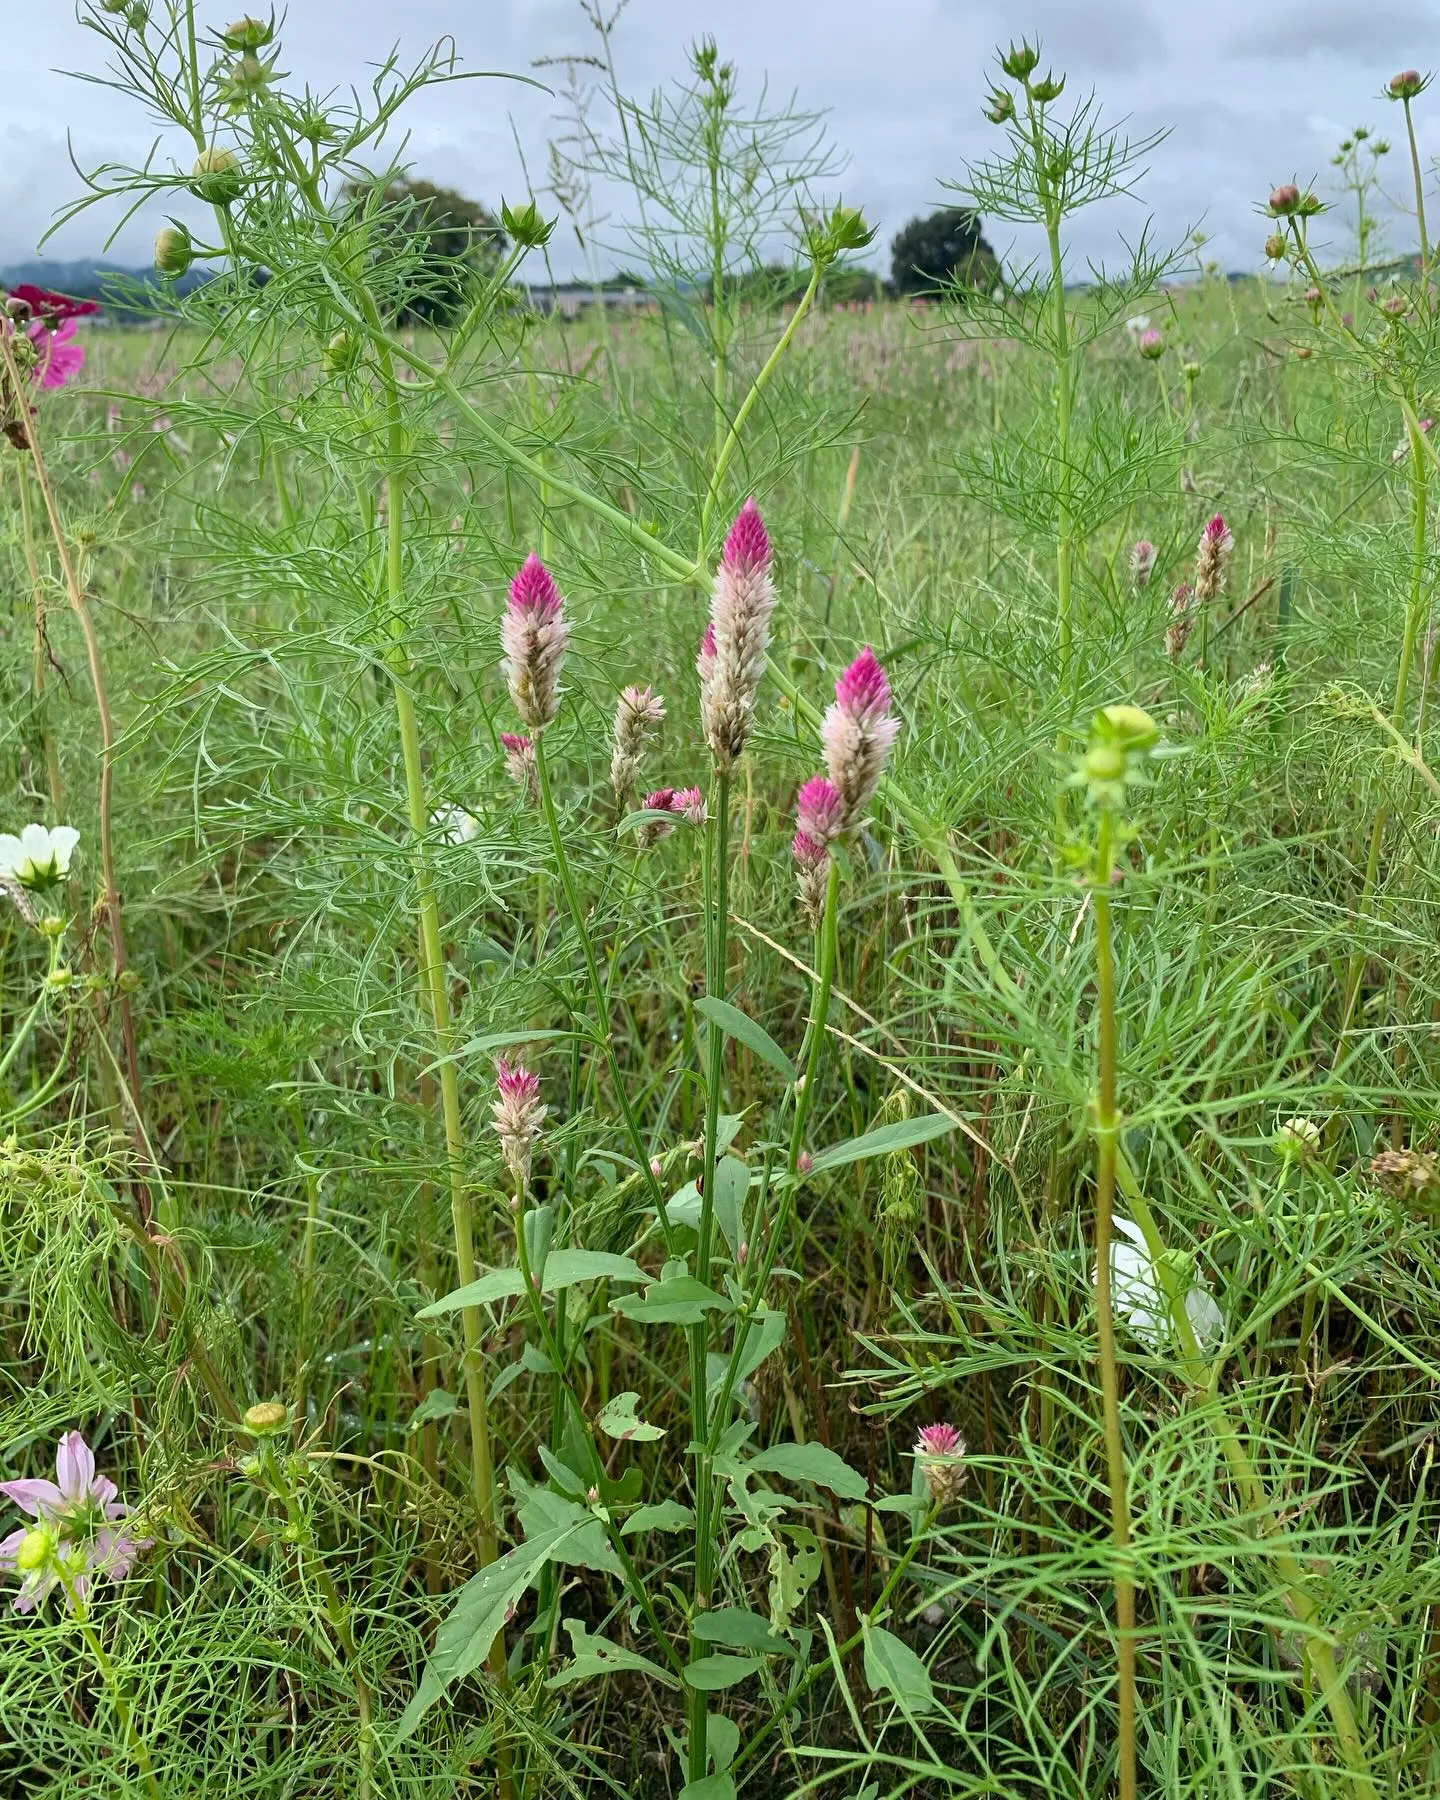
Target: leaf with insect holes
<point x="617" y="1420"/>
<point x="892" y="1667"/>
<point x="903" y="1135"/>
<point x="740" y="1026"/>
<point x="598" y="1656"/>
<point x="812" y="1462"/>
<point x="792" y="1575"/>
<point x="665" y="1515"/>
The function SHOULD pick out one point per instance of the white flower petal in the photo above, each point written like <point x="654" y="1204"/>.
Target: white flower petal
<point x="11" y="853"/>
<point x="63" y="840"/>
<point x="1206" y="1319"/>
<point x="35" y="843"/>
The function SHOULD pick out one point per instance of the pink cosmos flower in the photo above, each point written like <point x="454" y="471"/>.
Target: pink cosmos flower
<point x="534" y="636"/>
<point x="858" y="733"/>
<point x="80" y="1507"/>
<point x="61" y="358"/>
<point x="55" y="309"/>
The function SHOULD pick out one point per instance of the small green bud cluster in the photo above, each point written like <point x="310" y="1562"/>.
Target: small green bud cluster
<point x="1121" y="738"/>
<point x="1020" y="62"/>
<point x="828" y="239"/>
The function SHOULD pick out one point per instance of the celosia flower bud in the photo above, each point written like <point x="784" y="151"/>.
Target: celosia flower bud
<point x="858" y="733"/>
<point x="520" y="763"/>
<point x="1142" y="561"/>
<point x="519" y="1114"/>
<point x="732" y="656"/>
<point x="812" y="862"/>
<point x="534" y="636"/>
<point x="1216" y="543"/>
<point x="819" y="811"/>
<point x="1182" y="619"/>
<point x="639" y="714"/>
<point x="940" y="1451"/>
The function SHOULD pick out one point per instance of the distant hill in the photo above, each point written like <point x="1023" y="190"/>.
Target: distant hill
<point x="88" y="279"/>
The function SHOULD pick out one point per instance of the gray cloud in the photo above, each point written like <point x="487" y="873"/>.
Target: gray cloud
<point x="903" y="83"/>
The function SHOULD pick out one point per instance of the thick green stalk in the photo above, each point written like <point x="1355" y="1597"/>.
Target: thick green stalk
<point x="1107" y="1127"/>
<point x="1419" y="188"/>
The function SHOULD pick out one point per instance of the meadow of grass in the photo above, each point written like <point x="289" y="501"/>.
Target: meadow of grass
<point x="1083" y="1100"/>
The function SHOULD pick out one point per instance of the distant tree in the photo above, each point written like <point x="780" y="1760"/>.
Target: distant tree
<point x="448" y="241"/>
<point x="947" y="246"/>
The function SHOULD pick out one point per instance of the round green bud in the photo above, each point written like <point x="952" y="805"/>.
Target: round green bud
<point x="35" y="1550"/>
<point x="342" y="352"/>
<point x="59" y="979"/>
<point x="216" y="176"/>
<point x="129" y="981"/>
<point x="52" y="926"/>
<point x="1129" y="726"/>
<point x="248" y="34"/>
<point x="1104" y="762"/>
<point x="174" y="252"/>
<point x="525" y="224"/>
<point x="266" y="1418"/>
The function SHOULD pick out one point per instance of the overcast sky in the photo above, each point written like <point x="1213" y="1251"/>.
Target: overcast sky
<point x="1252" y="92"/>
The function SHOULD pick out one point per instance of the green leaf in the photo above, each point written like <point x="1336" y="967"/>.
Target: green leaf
<point x="718" y="1786"/>
<point x="709" y="1673"/>
<point x="738" y="1629"/>
<point x="792" y="1577"/>
<point x="901" y="1136"/>
<point x="811" y="1462"/>
<point x="722" y="1740"/>
<point x="667" y="1515"/>
<point x="598" y="1656"/>
<point x="732" y="1183"/>
<point x="437" y="1404"/>
<point x="498" y="1040"/>
<point x="892" y="1666"/>
<point x="766" y="1333"/>
<point x="563" y="1268"/>
<point x="744" y="1030"/>
<point x="618" y="1420"/>
<point x="474" y="1621"/>
<point x="542" y="1510"/>
<point x="677" y="1300"/>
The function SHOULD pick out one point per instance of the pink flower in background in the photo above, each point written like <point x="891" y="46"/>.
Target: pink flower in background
<point x="691" y="803"/>
<point x="1216" y="543"/>
<point x="534" y="636"/>
<point x="1142" y="561"/>
<point x="61" y="357"/>
<point x="732" y="656"/>
<point x="940" y="1451"/>
<point x="858" y="732"/>
<point x="661" y="800"/>
<point x="520" y="763"/>
<point x="519" y="1114"/>
<point x="80" y="1509"/>
<point x="54" y="309"/>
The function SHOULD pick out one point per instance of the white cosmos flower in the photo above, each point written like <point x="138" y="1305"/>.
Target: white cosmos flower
<point x="1140" y="322"/>
<point x="455" y="825"/>
<point x="1140" y="1300"/>
<point x="40" y="856"/>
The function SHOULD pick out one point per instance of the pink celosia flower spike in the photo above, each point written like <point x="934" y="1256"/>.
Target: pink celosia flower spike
<point x="858" y="732"/>
<point x="519" y="1114"/>
<point x="819" y="817"/>
<point x="78" y="1509"/>
<point x="520" y="763"/>
<point x="1216" y="544"/>
<point x="639" y="714"/>
<point x="732" y="655"/>
<point x="1142" y="561"/>
<point x="662" y="800"/>
<point x="534" y="636"/>
<point x="940" y="1451"/>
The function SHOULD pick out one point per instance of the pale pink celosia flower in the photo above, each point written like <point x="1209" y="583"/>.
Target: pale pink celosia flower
<point x="534" y="635"/>
<point x="1142" y="561"/>
<point x="690" y="803"/>
<point x="732" y="656"/>
<point x="520" y="763"/>
<point x="1182" y="619"/>
<point x="858" y="733"/>
<point x="80" y="1508"/>
<point x="662" y="800"/>
<point x="639" y="714"/>
<point x="940" y="1451"/>
<point x="519" y="1114"/>
<point x="1216" y="544"/>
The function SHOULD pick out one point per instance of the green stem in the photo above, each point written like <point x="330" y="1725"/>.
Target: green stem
<point x="114" y="1685"/>
<point x="1107" y="1126"/>
<point x="1419" y="189"/>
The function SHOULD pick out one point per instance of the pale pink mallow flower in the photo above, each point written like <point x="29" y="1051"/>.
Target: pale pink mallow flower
<point x="1142" y="561"/>
<point x="940" y="1451"/>
<point x="534" y="636"/>
<point x="858" y="733"/>
<point x="1213" y="553"/>
<point x="639" y="714"/>
<point x="520" y="763"/>
<point x="79" y="1511"/>
<point x="519" y="1114"/>
<point x="732" y="655"/>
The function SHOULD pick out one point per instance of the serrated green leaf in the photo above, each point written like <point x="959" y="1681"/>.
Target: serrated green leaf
<point x="598" y="1656"/>
<point x="811" y="1462"/>
<point x="740" y="1026"/>
<point x="711" y="1673"/>
<point x="892" y="1667"/>
<point x="618" y="1420"/>
<point x="666" y="1515"/>
<point x="902" y="1135"/>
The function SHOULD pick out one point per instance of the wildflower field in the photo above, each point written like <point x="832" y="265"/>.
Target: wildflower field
<point x="718" y="1024"/>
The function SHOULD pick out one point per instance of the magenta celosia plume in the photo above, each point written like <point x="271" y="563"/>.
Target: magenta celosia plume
<point x="519" y="1114"/>
<point x="940" y="1451"/>
<point x="819" y="811"/>
<point x="732" y="653"/>
<point x="534" y="636"/>
<point x="1211" y="557"/>
<point x="81" y="1508"/>
<point x="858" y="733"/>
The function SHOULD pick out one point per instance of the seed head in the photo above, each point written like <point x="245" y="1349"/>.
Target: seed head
<point x="1406" y="1174"/>
<point x="1142" y="561"/>
<point x="534" y="635"/>
<point x="732" y="655"/>
<point x="519" y="1114"/>
<point x="858" y="733"/>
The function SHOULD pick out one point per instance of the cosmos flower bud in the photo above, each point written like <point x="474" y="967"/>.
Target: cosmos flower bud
<point x="940" y="1452"/>
<point x="520" y="763"/>
<point x="1296" y="1140"/>
<point x="732" y="655"/>
<point x="216" y="176"/>
<point x="639" y="714"/>
<point x="174" y="251"/>
<point x="248" y="34"/>
<point x="1151" y="344"/>
<point x="1274" y="246"/>
<point x="526" y="225"/>
<point x="1142" y="561"/>
<point x="534" y="635"/>
<point x="858" y="733"/>
<point x="1284" y="200"/>
<point x="266" y="1418"/>
<point x="1406" y="85"/>
<point x="1020" y="62"/>
<point x="1213" y="554"/>
<point x="1000" y="106"/>
<point x="519" y="1114"/>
